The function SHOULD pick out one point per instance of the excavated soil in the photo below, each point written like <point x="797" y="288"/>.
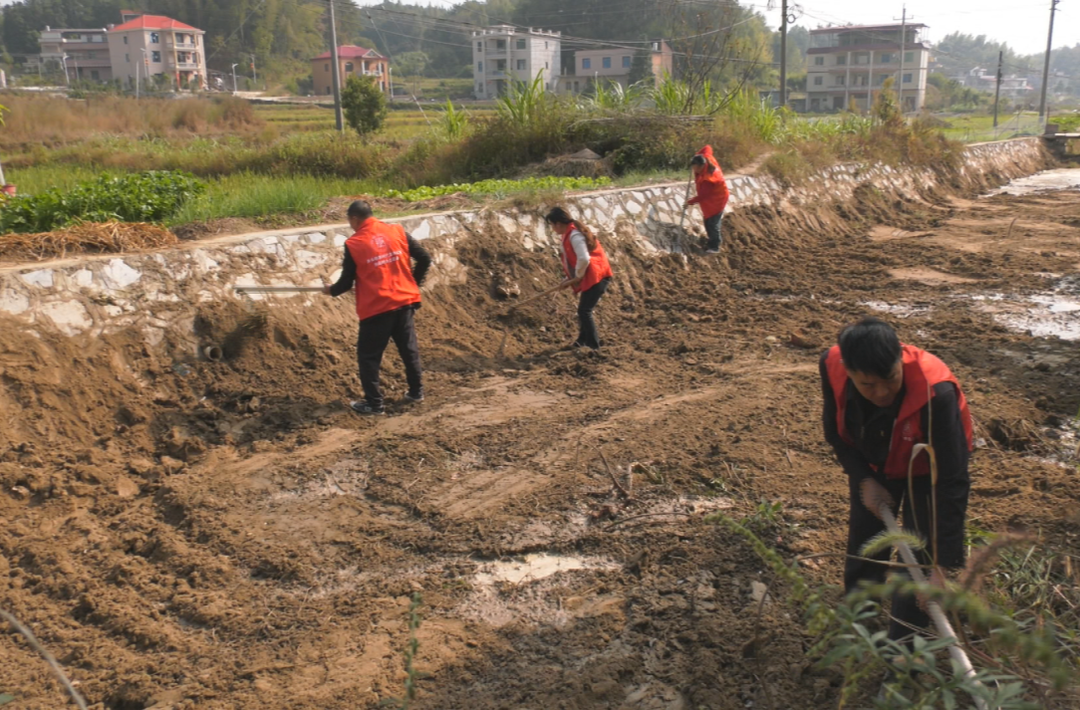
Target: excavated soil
<point x="228" y="535"/>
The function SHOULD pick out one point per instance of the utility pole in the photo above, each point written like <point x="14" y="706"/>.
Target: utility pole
<point x="234" y="78"/>
<point x="903" y="44"/>
<point x="336" y="73"/>
<point x="997" y="89"/>
<point x="1046" y="64"/>
<point x="783" y="53"/>
<point x="254" y="76"/>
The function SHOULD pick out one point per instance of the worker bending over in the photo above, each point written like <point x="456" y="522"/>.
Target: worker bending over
<point x="712" y="195"/>
<point x="378" y="260"/>
<point x="882" y="398"/>
<point x="587" y="271"/>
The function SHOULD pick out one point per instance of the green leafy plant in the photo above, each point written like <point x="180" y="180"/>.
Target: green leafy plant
<point x="611" y="96"/>
<point x="453" y="122"/>
<point x="364" y="104"/>
<point x="411" y="674"/>
<point x="499" y="188"/>
<point x="523" y="102"/>
<point x="137" y="197"/>
<point x="1015" y="661"/>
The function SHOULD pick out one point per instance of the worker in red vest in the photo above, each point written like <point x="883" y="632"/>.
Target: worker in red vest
<point x="378" y="260"/>
<point x="587" y="271"/>
<point x="881" y="399"/>
<point x="712" y="195"/>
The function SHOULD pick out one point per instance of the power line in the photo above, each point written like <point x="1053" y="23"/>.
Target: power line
<point x="567" y="39"/>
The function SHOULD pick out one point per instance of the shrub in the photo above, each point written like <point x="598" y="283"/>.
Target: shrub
<point x="499" y="188"/>
<point x="139" y="197"/>
<point x="364" y="104"/>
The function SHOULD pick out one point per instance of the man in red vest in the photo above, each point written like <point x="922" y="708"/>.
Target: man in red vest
<point x="881" y="399"/>
<point x="378" y="260"/>
<point x="712" y="195"/>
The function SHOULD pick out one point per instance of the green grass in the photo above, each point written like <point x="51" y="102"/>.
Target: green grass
<point x="31" y="181"/>
<point x="401" y="124"/>
<point x="976" y="128"/>
<point x="253" y="196"/>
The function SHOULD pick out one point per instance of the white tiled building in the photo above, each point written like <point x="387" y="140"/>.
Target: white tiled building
<point x="504" y="53"/>
<point x="145" y="46"/>
<point x="850" y="64"/>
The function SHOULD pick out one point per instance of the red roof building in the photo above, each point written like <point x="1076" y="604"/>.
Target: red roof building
<point x="354" y="61"/>
<point x="154" y="22"/>
<point x="146" y="48"/>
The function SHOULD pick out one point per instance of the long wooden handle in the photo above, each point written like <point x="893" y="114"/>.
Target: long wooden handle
<point x="538" y="296"/>
<point x="937" y="615"/>
<point x="685" y="198"/>
<point x="277" y="289"/>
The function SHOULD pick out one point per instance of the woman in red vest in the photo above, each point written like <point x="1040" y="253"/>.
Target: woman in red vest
<point x="378" y="261"/>
<point x="587" y="271"/>
<point x="712" y="195"/>
<point x="881" y="399"/>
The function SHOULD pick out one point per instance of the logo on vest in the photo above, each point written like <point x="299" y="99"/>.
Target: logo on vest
<point x="378" y="242"/>
<point x="907" y="432"/>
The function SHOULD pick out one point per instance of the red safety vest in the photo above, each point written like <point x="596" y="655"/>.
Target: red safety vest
<point x="712" y="189"/>
<point x="921" y="372"/>
<point x="384" y="280"/>
<point x="599" y="268"/>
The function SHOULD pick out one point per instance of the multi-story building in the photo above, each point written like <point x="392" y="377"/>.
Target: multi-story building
<point x="503" y="53"/>
<point x="146" y="46"/>
<point x="358" y="61"/>
<point x="1012" y="86"/>
<point x="83" y="54"/>
<point x="851" y="64"/>
<point x="614" y="65"/>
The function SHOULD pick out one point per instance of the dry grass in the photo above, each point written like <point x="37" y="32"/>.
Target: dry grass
<point x="57" y="121"/>
<point x="89" y="237"/>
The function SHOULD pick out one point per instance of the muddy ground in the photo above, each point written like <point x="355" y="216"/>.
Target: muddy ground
<point x="229" y="535"/>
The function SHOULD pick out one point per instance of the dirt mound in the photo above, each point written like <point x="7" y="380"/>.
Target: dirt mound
<point x="86" y="238"/>
<point x="228" y="535"/>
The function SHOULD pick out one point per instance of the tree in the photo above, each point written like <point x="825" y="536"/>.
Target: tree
<point x="364" y="104"/>
<point x="641" y="67"/>
<point x="411" y="63"/>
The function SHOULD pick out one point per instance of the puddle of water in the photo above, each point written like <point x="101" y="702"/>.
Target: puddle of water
<point x="1044" y="315"/>
<point x="534" y="567"/>
<point x="1063" y="179"/>
<point x="1054" y="313"/>
<point x="900" y="310"/>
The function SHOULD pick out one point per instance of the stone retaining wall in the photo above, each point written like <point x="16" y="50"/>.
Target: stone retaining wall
<point x="153" y="291"/>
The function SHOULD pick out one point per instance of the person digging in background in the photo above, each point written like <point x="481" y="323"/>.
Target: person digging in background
<point x="587" y="271"/>
<point x="378" y="261"/>
<point x="712" y="195"/>
<point x="881" y="399"/>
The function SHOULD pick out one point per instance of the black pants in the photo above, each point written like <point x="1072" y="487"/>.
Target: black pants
<point x="587" y="336"/>
<point x="863" y="525"/>
<point x="712" y="229"/>
<point x="375" y="334"/>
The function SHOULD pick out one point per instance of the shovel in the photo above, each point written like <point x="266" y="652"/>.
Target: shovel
<point x="880" y="503"/>
<point x="537" y="297"/>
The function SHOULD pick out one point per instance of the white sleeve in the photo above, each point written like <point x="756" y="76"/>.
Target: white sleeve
<point x="581" y="250"/>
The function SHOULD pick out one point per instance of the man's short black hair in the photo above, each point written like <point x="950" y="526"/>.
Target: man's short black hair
<point x="359" y="209"/>
<point x="698" y="160"/>
<point x="870" y="346"/>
